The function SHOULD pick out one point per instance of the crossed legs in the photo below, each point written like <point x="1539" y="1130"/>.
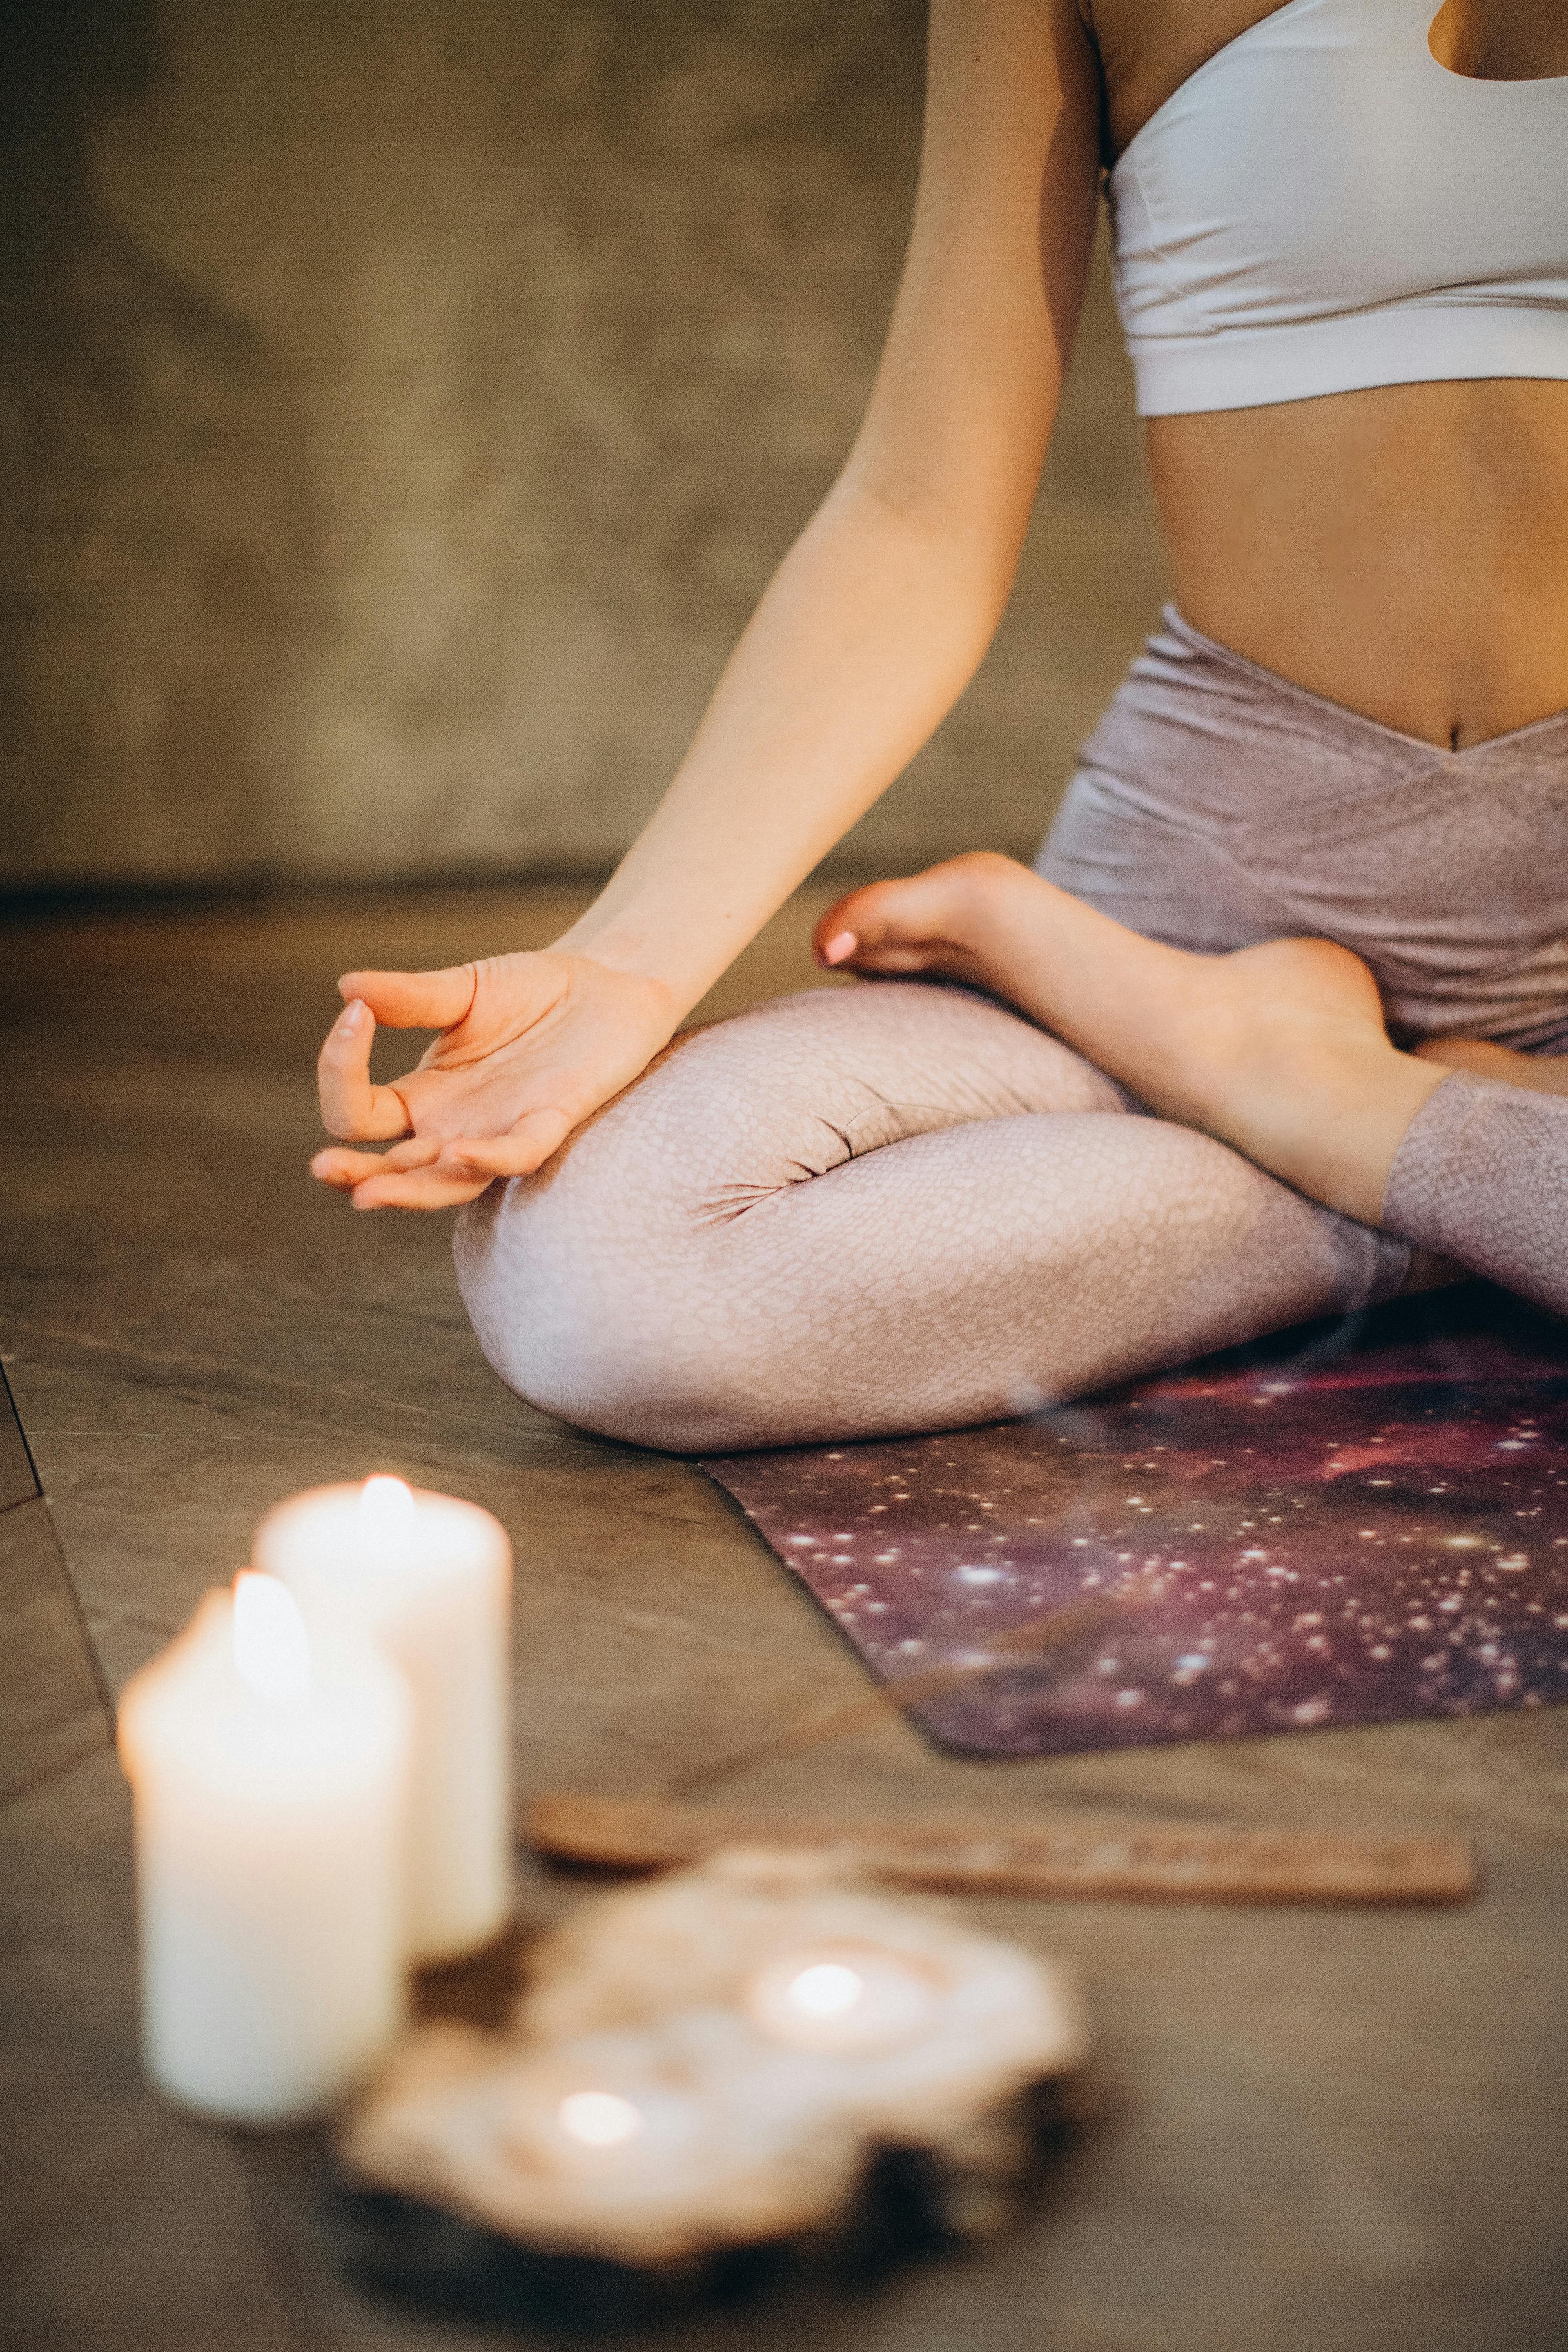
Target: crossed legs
<point x="891" y="1208"/>
<point x="1278" y="1049"/>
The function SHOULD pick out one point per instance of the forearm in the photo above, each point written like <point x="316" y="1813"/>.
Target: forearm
<point x="872" y="627"/>
<point x="1541" y="1074"/>
<point x="880" y="613"/>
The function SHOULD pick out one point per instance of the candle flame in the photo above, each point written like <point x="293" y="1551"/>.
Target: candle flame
<point x="271" y="1648"/>
<point x="387" y="1501"/>
<point x="598" y="2118"/>
<point x="826" y="1988"/>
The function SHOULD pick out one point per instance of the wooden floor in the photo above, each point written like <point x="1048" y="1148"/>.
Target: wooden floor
<point x="1307" y="2132"/>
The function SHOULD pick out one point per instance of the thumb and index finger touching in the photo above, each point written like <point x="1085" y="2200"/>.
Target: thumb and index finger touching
<point x="414" y="999"/>
<point x="351" y="1107"/>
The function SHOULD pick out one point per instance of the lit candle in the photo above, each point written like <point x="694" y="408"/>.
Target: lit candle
<point x="638" y="2146"/>
<point x="851" y="1999"/>
<point x="270" y="1785"/>
<point x="429" y="1579"/>
<point x="551" y="2124"/>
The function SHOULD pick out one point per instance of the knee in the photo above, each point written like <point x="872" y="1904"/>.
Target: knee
<point x="607" y="1289"/>
<point x="606" y="1325"/>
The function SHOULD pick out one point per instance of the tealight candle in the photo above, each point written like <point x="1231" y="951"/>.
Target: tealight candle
<point x="588" y="2131"/>
<point x="270" y="1785"/>
<point x="599" y="2118"/>
<point x="850" y="1999"/>
<point x="429" y="1579"/>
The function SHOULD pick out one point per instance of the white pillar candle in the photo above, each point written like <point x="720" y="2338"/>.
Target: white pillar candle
<point x="269" y="1786"/>
<point x="429" y="1579"/>
<point x="848" y="1999"/>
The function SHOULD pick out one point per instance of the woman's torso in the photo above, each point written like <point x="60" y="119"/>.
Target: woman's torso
<point x="1401" y="550"/>
<point x="1218" y="805"/>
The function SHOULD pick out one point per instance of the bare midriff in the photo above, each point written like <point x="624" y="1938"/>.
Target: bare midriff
<point x="1402" y="551"/>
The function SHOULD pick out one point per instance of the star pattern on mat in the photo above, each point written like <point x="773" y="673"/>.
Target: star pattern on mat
<point x="1367" y="1532"/>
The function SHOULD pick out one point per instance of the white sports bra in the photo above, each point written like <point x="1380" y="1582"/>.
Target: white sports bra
<point x="1322" y="205"/>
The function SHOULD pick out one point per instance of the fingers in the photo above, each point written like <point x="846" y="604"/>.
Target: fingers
<point x="526" y="1146"/>
<point x="415" y="1000"/>
<point x="404" y="1178"/>
<point x="351" y="1105"/>
<point x="426" y="1188"/>
<point x="345" y="1170"/>
<point x="424" y="1175"/>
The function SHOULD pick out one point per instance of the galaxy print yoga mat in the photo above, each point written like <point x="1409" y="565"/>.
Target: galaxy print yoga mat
<point x="1348" y="1525"/>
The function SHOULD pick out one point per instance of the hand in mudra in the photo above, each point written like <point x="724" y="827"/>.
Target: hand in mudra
<point x="529" y="1045"/>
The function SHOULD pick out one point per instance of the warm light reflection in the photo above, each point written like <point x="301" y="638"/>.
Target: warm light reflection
<point x="598" y="2118"/>
<point x="271" y="1648"/>
<point x="827" y="1988"/>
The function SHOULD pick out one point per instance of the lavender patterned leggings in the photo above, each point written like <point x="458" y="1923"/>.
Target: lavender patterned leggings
<point x="898" y="1206"/>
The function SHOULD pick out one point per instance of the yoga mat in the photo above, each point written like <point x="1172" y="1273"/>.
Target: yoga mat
<point x="1351" y="1523"/>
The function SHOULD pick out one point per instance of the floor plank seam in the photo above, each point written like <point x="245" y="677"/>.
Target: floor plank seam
<point x="89" y="1647"/>
<point x="32" y="1463"/>
<point x="56" y="1771"/>
<point x="228" y="1367"/>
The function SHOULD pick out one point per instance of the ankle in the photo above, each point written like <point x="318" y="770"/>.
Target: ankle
<point x="1328" y="1113"/>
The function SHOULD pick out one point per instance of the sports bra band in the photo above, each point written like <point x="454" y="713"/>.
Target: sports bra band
<point x="1322" y="205"/>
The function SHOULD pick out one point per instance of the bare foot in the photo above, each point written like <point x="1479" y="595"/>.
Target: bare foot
<point x="1279" y="1050"/>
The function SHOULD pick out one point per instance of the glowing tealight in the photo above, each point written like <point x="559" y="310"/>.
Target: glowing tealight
<point x="599" y="2120"/>
<point x="856" y="1999"/>
<point x="546" y="2128"/>
<point x="827" y="1988"/>
<point x="271" y="1648"/>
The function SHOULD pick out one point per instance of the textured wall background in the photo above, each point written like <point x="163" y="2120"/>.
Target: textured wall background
<point x="404" y="401"/>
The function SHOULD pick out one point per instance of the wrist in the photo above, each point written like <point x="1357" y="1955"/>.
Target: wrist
<point x="636" y="953"/>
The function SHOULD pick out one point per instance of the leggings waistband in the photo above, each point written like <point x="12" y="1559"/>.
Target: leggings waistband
<point x="1218" y="805"/>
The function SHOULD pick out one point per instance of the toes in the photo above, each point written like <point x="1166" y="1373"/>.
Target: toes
<point x="870" y="918"/>
<point x="842" y="931"/>
<point x="925" y="920"/>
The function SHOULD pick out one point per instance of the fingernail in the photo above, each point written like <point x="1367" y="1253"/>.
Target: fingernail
<point x="352" y="1014"/>
<point x="845" y="944"/>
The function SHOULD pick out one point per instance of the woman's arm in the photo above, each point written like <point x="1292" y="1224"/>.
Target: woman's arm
<point x="1539" y="1074"/>
<point x="873" y="625"/>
